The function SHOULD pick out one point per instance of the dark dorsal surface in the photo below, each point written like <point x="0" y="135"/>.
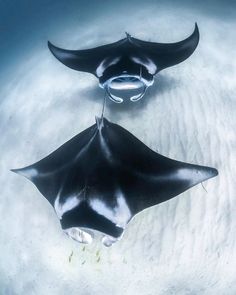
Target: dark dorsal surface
<point x="104" y="175"/>
<point x="127" y="56"/>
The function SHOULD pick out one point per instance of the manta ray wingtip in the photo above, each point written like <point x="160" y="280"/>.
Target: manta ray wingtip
<point x="203" y="173"/>
<point x="50" y="46"/>
<point x="14" y="170"/>
<point x="196" y="31"/>
<point x="27" y="172"/>
<point x="213" y="171"/>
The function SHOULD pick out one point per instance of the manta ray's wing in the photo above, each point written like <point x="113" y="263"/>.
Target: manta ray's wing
<point x="49" y="174"/>
<point x="148" y="178"/>
<point x="87" y="60"/>
<point x="169" y="54"/>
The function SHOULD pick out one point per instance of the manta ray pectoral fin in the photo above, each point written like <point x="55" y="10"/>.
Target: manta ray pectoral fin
<point x="47" y="183"/>
<point x="86" y="60"/>
<point x="165" y="184"/>
<point x="169" y="54"/>
<point x="150" y="178"/>
<point x="48" y="174"/>
<point x="79" y="60"/>
<point x="185" y="177"/>
<point x="178" y="52"/>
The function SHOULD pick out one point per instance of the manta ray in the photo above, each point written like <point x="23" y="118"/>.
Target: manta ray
<point x="128" y="65"/>
<point x="101" y="178"/>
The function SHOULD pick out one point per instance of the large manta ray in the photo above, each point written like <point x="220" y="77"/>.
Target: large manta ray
<point x="102" y="177"/>
<point x="128" y="64"/>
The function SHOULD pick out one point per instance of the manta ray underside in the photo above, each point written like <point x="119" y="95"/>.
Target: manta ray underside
<point x="102" y="177"/>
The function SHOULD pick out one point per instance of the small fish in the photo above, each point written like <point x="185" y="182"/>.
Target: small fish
<point x="70" y="257"/>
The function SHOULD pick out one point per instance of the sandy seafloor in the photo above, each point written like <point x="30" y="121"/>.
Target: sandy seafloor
<point x="181" y="247"/>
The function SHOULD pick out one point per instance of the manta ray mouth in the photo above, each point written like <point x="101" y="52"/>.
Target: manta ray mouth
<point x="80" y="235"/>
<point x="86" y="236"/>
<point x="126" y="86"/>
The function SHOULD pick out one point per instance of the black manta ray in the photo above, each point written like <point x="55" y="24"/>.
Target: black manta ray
<point x="129" y="64"/>
<point x="102" y="177"/>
